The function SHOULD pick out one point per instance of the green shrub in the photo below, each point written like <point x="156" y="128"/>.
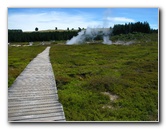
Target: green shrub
<point x="130" y="72"/>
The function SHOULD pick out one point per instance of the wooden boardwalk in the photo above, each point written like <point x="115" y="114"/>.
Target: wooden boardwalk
<point x="33" y="96"/>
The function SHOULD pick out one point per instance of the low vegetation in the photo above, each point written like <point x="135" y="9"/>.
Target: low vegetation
<point x="87" y="75"/>
<point x="18" y="59"/>
<point x="98" y="82"/>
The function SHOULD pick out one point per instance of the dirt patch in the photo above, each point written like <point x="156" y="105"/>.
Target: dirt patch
<point x="112" y="97"/>
<point x="108" y="106"/>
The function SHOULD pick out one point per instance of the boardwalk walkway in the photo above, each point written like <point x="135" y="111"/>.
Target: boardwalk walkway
<point x="33" y="96"/>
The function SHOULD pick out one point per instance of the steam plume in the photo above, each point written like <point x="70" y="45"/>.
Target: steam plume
<point x="90" y="34"/>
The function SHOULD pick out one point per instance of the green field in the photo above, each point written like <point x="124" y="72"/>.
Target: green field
<point x="87" y="74"/>
<point x="98" y="82"/>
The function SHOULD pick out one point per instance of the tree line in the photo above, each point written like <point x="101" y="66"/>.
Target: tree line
<point x="20" y="36"/>
<point x="142" y="27"/>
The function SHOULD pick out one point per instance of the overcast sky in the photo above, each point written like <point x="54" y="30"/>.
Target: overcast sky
<point x="28" y="19"/>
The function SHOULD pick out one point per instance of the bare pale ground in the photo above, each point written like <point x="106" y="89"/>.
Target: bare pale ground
<point x="112" y="97"/>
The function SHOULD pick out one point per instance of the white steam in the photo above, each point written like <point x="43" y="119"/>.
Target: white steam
<point x="89" y="34"/>
<point x="106" y="40"/>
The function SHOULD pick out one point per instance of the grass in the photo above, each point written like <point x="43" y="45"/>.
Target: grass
<point x="83" y="72"/>
<point x="18" y="59"/>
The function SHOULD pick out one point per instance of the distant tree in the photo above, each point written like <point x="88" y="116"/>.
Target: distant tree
<point x="67" y="28"/>
<point x="147" y="27"/>
<point x="72" y="29"/>
<point x="36" y="29"/>
<point x="56" y="28"/>
<point x="79" y="29"/>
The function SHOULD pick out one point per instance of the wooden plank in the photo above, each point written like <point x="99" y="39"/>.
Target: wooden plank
<point x="31" y="93"/>
<point x="31" y="89"/>
<point x="34" y="102"/>
<point x="28" y="95"/>
<point x="35" y="106"/>
<point x="48" y="119"/>
<point x="37" y="97"/>
<point x="60" y="115"/>
<point x="36" y="112"/>
<point x="28" y="109"/>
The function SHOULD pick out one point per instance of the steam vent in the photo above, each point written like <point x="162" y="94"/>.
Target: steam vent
<point x="33" y="96"/>
<point x="90" y="34"/>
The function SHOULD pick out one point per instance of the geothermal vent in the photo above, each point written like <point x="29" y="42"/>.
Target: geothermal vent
<point x="90" y="34"/>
